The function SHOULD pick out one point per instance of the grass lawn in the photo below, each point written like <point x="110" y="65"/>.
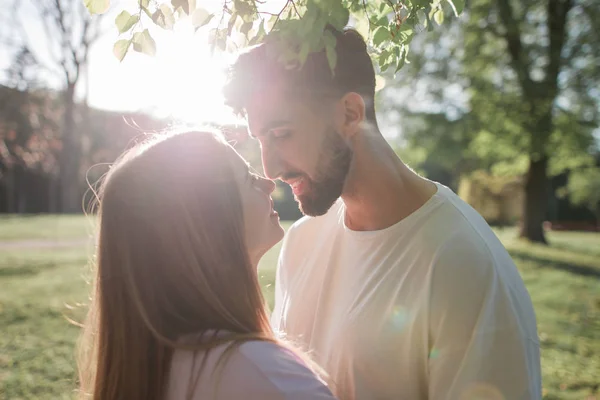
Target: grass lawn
<point x="45" y="227"/>
<point x="40" y="288"/>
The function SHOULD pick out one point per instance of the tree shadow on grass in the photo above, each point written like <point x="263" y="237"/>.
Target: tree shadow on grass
<point x="7" y="271"/>
<point x="547" y="262"/>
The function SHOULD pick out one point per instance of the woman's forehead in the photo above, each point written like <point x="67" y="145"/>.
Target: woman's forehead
<point x="238" y="164"/>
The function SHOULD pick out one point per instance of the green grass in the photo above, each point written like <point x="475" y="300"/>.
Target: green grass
<point x="38" y="285"/>
<point x="45" y="227"/>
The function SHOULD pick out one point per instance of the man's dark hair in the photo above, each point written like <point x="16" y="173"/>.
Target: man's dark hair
<point x="260" y="68"/>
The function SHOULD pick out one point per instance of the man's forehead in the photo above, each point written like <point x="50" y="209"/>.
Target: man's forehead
<point x="270" y="99"/>
<point x="268" y="106"/>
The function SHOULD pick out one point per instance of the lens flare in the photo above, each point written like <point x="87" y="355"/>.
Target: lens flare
<point x="400" y="317"/>
<point x="434" y="353"/>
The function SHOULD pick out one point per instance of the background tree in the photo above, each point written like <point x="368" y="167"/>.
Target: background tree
<point x="583" y="188"/>
<point x="523" y="76"/>
<point x="29" y="116"/>
<point x="69" y="33"/>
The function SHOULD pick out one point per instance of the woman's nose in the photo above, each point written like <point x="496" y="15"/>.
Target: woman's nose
<point x="267" y="185"/>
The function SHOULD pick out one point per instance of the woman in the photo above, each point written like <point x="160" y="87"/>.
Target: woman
<point x="177" y="311"/>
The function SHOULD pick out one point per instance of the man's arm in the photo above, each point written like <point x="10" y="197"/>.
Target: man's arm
<point x="483" y="342"/>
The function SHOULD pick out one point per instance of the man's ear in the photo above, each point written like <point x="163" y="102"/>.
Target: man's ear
<point x="350" y="114"/>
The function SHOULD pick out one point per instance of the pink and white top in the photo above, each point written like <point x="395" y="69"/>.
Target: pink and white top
<point x="256" y="370"/>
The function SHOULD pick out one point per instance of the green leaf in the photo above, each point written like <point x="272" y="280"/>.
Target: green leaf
<point x="402" y="57"/>
<point x="245" y="28"/>
<point x="383" y="57"/>
<point x="260" y="34"/>
<point x="201" y="17"/>
<point x="399" y="65"/>
<point x="143" y="43"/>
<point x="243" y="8"/>
<point x="457" y="6"/>
<point x="122" y="21"/>
<point x="304" y="52"/>
<point x="439" y="17"/>
<point x="184" y="4"/>
<point x="383" y="20"/>
<point x="422" y="17"/>
<point x="144" y="3"/>
<point x="382" y="6"/>
<point x="339" y="18"/>
<point x="96" y="6"/>
<point x="381" y="34"/>
<point x="191" y="6"/>
<point x="164" y="17"/>
<point x="329" y="39"/>
<point x="429" y="23"/>
<point x="231" y="22"/>
<point x="120" y="48"/>
<point x="331" y="56"/>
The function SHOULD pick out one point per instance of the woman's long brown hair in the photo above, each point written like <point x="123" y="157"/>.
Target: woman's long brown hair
<point x="171" y="262"/>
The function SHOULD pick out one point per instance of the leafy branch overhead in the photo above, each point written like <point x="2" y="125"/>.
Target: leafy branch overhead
<point x="389" y="25"/>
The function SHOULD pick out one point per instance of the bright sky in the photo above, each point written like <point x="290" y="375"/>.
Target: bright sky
<point x="182" y="80"/>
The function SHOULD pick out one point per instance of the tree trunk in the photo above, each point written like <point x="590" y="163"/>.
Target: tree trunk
<point x="10" y="191"/>
<point x="53" y="195"/>
<point x="69" y="157"/>
<point x="535" y="201"/>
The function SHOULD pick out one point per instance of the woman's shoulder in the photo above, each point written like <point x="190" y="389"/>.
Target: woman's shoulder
<point x="273" y="359"/>
<point x="280" y="370"/>
<point x="253" y="370"/>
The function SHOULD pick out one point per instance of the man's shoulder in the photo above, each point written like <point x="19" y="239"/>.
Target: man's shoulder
<point x="456" y="227"/>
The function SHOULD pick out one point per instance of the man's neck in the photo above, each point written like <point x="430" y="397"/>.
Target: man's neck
<point x="380" y="189"/>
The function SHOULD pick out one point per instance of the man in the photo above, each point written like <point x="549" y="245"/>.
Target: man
<point x="397" y="287"/>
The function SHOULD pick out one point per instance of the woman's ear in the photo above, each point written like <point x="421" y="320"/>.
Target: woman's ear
<point x="351" y="113"/>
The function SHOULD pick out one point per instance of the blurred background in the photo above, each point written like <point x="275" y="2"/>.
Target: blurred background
<point x="501" y="104"/>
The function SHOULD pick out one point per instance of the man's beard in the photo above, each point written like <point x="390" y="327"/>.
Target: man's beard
<point x="332" y="169"/>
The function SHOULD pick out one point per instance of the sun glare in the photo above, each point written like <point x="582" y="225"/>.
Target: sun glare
<point x="193" y="78"/>
<point x="183" y="80"/>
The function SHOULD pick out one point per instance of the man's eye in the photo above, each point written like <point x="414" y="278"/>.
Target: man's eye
<point x="281" y="133"/>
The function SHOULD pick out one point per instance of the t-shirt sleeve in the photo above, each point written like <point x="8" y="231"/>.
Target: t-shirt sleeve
<point x="479" y="344"/>
<point x="267" y="371"/>
<point x="281" y="280"/>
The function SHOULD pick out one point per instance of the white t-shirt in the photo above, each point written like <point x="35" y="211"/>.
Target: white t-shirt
<point x="432" y="307"/>
<point x="256" y="370"/>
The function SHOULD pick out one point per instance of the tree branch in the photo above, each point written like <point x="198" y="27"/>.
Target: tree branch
<point x="557" y="28"/>
<point x="26" y="41"/>
<point x="519" y="59"/>
<point x="67" y="45"/>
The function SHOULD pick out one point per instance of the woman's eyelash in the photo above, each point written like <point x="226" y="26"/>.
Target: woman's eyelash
<point x="254" y="177"/>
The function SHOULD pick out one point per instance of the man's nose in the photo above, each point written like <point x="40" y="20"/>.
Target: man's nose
<point x="271" y="163"/>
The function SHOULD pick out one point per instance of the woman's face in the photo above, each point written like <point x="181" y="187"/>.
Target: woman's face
<point x="261" y="221"/>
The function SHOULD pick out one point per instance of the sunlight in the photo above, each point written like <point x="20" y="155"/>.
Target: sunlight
<point x="183" y="80"/>
<point x="192" y="78"/>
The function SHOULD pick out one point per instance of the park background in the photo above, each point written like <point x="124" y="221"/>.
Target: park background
<point x="459" y="113"/>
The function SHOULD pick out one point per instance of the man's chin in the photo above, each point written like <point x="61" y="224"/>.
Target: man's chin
<point x="314" y="207"/>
